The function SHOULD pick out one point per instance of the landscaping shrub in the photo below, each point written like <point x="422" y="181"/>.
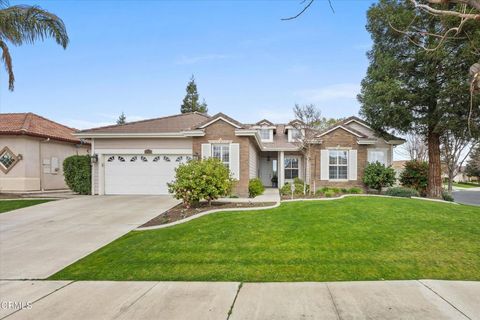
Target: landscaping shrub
<point x="324" y="189"/>
<point x="355" y="190"/>
<point x="255" y="188"/>
<point x="415" y="175"/>
<point x="447" y="196"/>
<point x="206" y="179"/>
<point x="402" y="192"/>
<point x="329" y="194"/>
<point x="77" y="171"/>
<point x="286" y="191"/>
<point x="319" y="192"/>
<point x="343" y="190"/>
<point x="335" y="190"/>
<point x="377" y="176"/>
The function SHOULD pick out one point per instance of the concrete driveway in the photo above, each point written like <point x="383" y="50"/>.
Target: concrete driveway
<point x="37" y="241"/>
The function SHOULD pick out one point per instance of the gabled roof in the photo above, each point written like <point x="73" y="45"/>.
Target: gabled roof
<point x="264" y="121"/>
<point x="175" y="123"/>
<point x="344" y="124"/>
<point x="31" y="124"/>
<point x="220" y="116"/>
<point x="342" y="127"/>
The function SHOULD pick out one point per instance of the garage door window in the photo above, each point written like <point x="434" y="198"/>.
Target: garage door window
<point x="222" y="152"/>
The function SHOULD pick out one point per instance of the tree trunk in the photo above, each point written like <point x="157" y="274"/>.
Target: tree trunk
<point x="450" y="184"/>
<point x="434" y="189"/>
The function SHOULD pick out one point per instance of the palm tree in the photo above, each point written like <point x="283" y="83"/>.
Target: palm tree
<point x="27" y="24"/>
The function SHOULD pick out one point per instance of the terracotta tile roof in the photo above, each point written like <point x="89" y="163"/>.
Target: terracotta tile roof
<point x="31" y="124"/>
<point x="175" y="123"/>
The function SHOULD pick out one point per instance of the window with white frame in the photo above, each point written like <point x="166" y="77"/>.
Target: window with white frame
<point x="338" y="164"/>
<point x="294" y="135"/>
<point x="222" y="151"/>
<point x="291" y="168"/>
<point x="264" y="134"/>
<point x="379" y="155"/>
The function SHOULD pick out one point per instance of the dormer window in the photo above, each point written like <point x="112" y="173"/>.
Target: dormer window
<point x="266" y="135"/>
<point x="294" y="134"/>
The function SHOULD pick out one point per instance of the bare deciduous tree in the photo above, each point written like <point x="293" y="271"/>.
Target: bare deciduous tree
<point x="415" y="147"/>
<point x="308" y="121"/>
<point x="455" y="150"/>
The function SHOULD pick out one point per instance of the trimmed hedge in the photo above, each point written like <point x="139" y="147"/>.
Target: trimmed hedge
<point x="77" y="171"/>
<point x="255" y="187"/>
<point x="402" y="192"/>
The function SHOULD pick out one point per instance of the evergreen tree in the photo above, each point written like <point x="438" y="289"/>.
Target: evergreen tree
<point x="191" y="101"/>
<point x="122" y="119"/>
<point x="412" y="90"/>
<point x="472" y="168"/>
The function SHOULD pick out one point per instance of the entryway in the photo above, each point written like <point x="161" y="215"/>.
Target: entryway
<point x="268" y="170"/>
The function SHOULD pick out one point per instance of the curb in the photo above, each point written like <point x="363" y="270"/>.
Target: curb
<point x="204" y="213"/>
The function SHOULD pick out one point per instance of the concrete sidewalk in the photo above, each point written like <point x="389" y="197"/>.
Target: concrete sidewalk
<point x="425" y="299"/>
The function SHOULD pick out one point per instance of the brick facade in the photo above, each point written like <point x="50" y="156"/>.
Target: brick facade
<point x="342" y="139"/>
<point x="226" y="132"/>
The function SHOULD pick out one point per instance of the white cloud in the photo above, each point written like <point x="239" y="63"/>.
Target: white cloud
<point x="333" y="92"/>
<point x="183" y="60"/>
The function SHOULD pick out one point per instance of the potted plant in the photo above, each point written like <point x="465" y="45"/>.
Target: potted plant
<point x="274" y="181"/>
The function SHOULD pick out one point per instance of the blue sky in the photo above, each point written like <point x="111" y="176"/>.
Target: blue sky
<point x="137" y="56"/>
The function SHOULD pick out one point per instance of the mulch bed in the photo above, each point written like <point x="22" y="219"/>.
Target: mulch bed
<point x="179" y="212"/>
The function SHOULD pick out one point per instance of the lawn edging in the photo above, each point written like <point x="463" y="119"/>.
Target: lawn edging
<point x="368" y="195"/>
<point x="204" y="213"/>
<point x="277" y="205"/>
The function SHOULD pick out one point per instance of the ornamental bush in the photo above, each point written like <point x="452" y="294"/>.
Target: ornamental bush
<point x="377" y="176"/>
<point x="255" y="188"/>
<point x="415" y="176"/>
<point x="77" y="171"/>
<point x="354" y="190"/>
<point x="402" y="192"/>
<point x="196" y="180"/>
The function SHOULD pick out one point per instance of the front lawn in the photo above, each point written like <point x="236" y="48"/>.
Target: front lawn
<point x="362" y="238"/>
<point x="466" y="185"/>
<point x="8" y="205"/>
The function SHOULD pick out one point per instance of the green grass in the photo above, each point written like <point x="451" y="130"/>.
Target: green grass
<point x="358" y="238"/>
<point x="8" y="205"/>
<point x="466" y="185"/>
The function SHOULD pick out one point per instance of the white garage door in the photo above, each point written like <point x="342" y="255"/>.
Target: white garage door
<point x="140" y="174"/>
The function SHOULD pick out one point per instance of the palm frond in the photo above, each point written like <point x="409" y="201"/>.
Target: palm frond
<point x="22" y="23"/>
<point x="7" y="61"/>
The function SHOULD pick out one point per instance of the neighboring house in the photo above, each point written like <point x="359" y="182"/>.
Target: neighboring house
<point x="32" y="150"/>
<point x="140" y="157"/>
<point x="398" y="166"/>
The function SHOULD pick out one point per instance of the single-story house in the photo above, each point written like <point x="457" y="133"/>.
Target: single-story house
<point x="140" y="157"/>
<point x="32" y="150"/>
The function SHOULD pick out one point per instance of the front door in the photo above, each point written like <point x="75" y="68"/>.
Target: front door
<point x="266" y="171"/>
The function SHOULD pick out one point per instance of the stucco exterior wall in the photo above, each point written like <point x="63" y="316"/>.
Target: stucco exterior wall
<point x="51" y="179"/>
<point x="25" y="175"/>
<point x="28" y="174"/>
<point x="222" y="130"/>
<point x="143" y="143"/>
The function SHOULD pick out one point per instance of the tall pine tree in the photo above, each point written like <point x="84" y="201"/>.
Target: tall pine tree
<point x="410" y="89"/>
<point x="191" y="101"/>
<point x="122" y="119"/>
